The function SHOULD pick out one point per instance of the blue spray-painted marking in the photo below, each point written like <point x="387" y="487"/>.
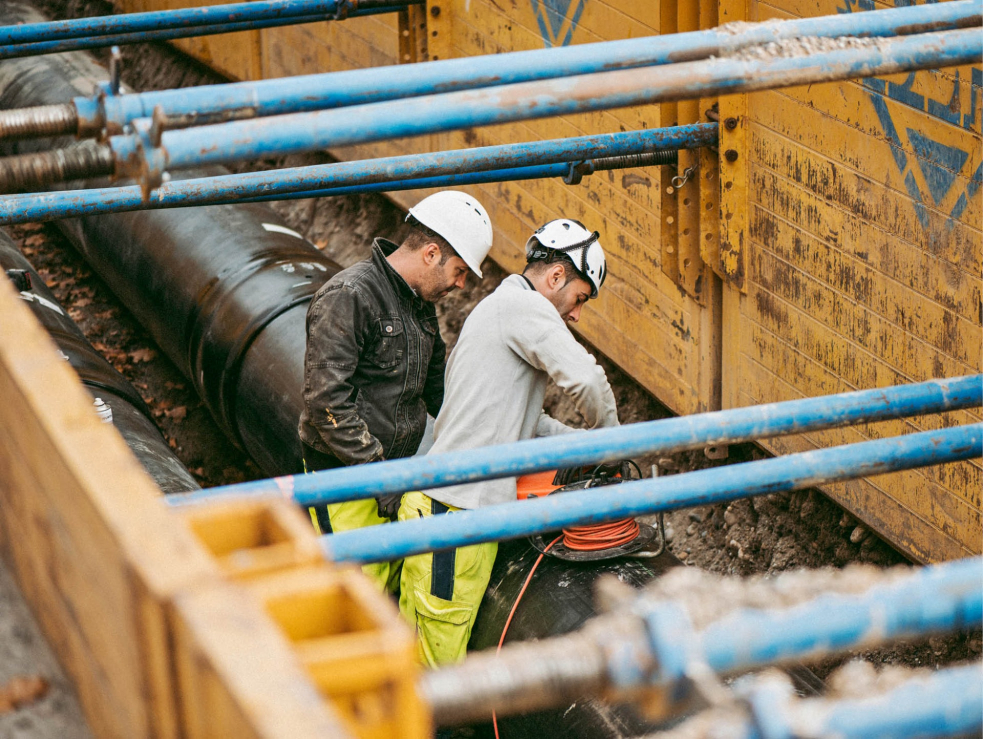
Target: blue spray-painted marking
<point x="938" y="178"/>
<point x="939" y="164"/>
<point x="557" y="19"/>
<point x="949" y="112"/>
<point x="887" y="124"/>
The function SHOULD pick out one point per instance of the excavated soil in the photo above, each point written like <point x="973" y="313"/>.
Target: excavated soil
<point x="765" y="535"/>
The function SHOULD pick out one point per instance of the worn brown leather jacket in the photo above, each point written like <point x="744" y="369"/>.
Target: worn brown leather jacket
<point x="374" y="364"/>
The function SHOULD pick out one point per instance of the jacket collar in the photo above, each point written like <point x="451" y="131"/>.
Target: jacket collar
<point x="382" y="248"/>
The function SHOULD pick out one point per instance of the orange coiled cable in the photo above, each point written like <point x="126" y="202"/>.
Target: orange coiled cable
<point x="600" y="536"/>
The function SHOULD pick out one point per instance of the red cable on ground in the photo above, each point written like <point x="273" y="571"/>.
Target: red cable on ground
<point x="508" y="621"/>
<point x="591" y="538"/>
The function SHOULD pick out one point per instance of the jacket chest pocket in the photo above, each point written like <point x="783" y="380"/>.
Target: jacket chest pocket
<point x="430" y="328"/>
<point x="390" y="344"/>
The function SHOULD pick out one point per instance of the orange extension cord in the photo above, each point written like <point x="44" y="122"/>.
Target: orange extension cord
<point x="600" y="536"/>
<point x="591" y="538"/>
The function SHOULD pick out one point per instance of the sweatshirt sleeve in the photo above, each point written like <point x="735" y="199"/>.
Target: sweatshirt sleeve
<point x="549" y="426"/>
<point x="335" y="337"/>
<point x="547" y="344"/>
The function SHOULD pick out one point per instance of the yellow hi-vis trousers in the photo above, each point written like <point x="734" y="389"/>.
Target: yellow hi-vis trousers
<point x="440" y="591"/>
<point x="355" y="514"/>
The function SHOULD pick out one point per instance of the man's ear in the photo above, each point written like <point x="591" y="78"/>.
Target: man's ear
<point x="555" y="276"/>
<point x="431" y="254"/>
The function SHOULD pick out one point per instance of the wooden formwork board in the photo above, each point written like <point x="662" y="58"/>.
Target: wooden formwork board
<point x="138" y="608"/>
<point x="238" y="676"/>
<point x="85" y="535"/>
<point x="861" y="248"/>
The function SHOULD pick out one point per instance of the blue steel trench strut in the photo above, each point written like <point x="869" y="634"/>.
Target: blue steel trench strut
<point x="532" y="159"/>
<point x="651" y="437"/>
<point x="645" y="497"/>
<point x="150" y="152"/>
<point x="659" y="642"/>
<point x="185" y="18"/>
<point x="89" y="116"/>
<point x="175" y="29"/>
<point x="136" y="154"/>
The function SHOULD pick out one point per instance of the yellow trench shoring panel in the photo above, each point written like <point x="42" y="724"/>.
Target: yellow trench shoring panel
<point x="837" y="246"/>
<point x="182" y="625"/>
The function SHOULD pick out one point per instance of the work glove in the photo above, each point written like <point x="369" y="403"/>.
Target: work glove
<point x="389" y="505"/>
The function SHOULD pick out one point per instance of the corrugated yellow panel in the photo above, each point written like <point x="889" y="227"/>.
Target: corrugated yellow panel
<point x="236" y="55"/>
<point x="646" y="307"/>
<point x="913" y="507"/>
<point x="919" y="316"/>
<point x="938" y="172"/>
<point x="864" y="259"/>
<point x="925" y="228"/>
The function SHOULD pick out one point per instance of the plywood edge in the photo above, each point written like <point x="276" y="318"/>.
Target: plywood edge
<point x="237" y="673"/>
<point x="158" y="641"/>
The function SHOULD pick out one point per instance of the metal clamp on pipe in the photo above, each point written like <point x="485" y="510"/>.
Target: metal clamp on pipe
<point x="342" y="8"/>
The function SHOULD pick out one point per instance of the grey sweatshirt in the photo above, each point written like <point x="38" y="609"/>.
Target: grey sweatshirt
<point x="509" y="347"/>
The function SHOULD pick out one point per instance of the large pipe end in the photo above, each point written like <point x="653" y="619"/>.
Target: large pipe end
<point x="36" y="171"/>
<point x="39" y="121"/>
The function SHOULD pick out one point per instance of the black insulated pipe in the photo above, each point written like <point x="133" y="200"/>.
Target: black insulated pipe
<point x="222" y="289"/>
<point x="114" y="398"/>
<point x="560" y="599"/>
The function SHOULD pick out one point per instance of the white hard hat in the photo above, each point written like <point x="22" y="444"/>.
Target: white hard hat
<point x="461" y="220"/>
<point x="574" y="240"/>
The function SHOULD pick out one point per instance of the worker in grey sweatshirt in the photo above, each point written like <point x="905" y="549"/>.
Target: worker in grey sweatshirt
<point x="513" y="342"/>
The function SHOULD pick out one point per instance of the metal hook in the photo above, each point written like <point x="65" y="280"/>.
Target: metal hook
<point x="677" y="181"/>
<point x="115" y="67"/>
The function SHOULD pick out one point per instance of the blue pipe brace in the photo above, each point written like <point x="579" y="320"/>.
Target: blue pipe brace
<point x="946" y="703"/>
<point x="303" y="132"/>
<point x="935" y="599"/>
<point x="358" y="87"/>
<point x="665" y="436"/>
<point x="160" y="19"/>
<point x="483" y="164"/>
<point x="645" y="497"/>
<point x="344" y="9"/>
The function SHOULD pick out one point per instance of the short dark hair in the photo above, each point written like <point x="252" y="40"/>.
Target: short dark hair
<point x="419" y="236"/>
<point x="556" y="257"/>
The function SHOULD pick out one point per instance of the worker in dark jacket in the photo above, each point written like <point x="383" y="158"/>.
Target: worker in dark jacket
<point x="374" y="366"/>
